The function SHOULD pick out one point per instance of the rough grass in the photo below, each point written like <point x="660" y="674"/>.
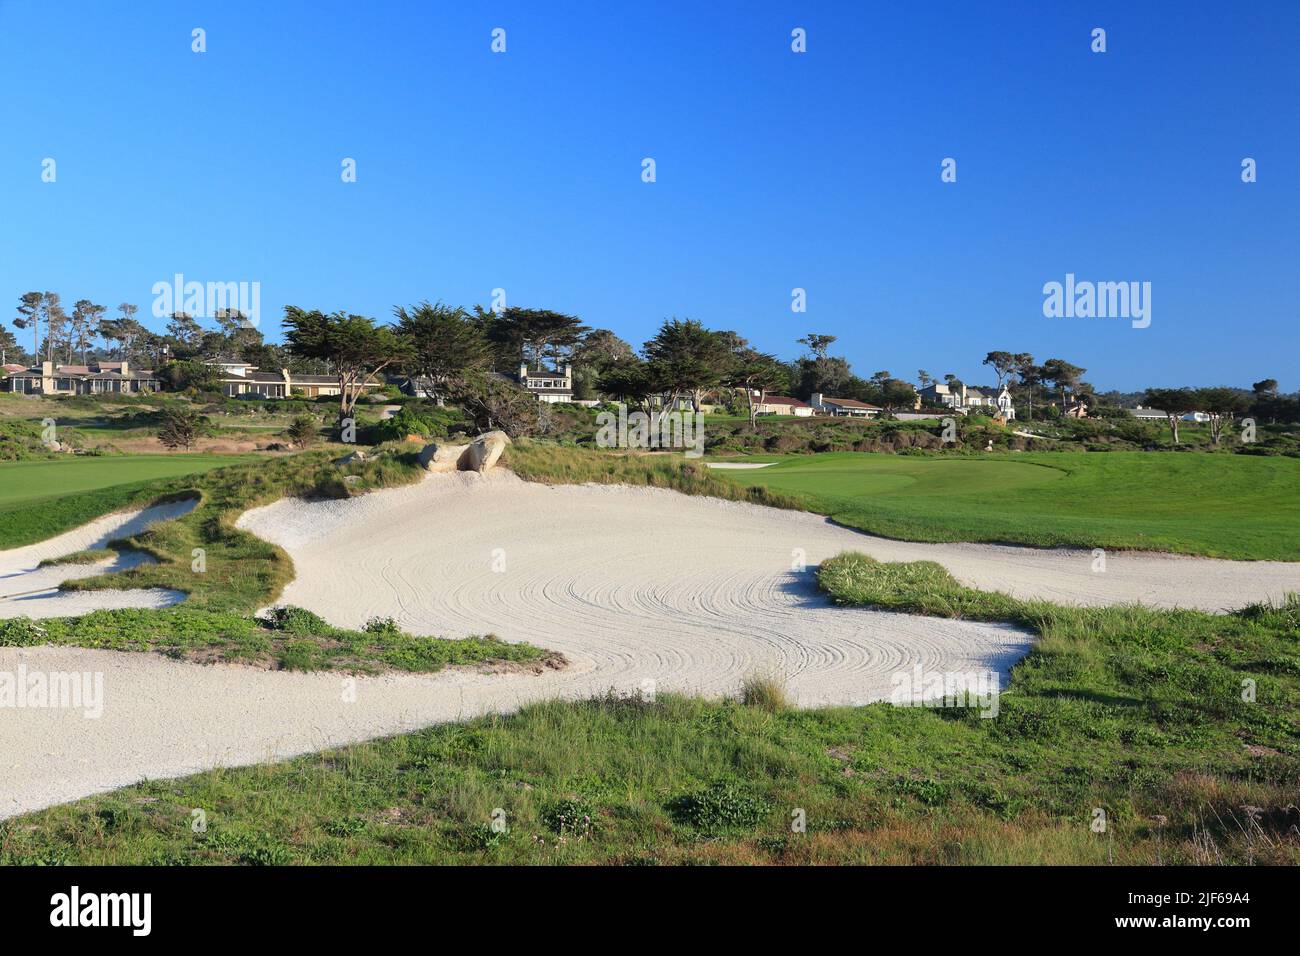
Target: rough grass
<point x="296" y="641"/>
<point x="556" y="465"/>
<point x="1136" y="712"/>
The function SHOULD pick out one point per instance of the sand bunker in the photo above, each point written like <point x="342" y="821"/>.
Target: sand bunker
<point x="29" y="590"/>
<point x="642" y="589"/>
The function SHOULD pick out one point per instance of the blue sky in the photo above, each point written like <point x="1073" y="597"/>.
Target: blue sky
<point x="775" y="170"/>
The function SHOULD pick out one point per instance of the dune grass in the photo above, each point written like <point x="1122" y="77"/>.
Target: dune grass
<point x="291" y="639"/>
<point x="559" y="465"/>
<point x="1134" y="712"/>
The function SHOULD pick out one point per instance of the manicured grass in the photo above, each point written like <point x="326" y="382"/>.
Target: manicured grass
<point x="1136" y="712"/>
<point x="1220" y="505"/>
<point x="39" y="499"/>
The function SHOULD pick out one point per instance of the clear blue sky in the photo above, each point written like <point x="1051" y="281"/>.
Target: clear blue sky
<point x="775" y="170"/>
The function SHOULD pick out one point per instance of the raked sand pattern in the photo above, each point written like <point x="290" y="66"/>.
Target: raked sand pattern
<point x="633" y="585"/>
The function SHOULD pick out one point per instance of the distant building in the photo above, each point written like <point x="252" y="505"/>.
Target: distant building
<point x="1147" y="413"/>
<point x="843" y="407"/>
<point x="95" y="378"/>
<point x="240" y="379"/>
<point x="967" y="398"/>
<point x="549" y="387"/>
<point x="781" y="405"/>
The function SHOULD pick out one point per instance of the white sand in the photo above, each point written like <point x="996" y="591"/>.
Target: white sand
<point x="738" y="465"/>
<point x="632" y="585"/>
<point x="28" y="590"/>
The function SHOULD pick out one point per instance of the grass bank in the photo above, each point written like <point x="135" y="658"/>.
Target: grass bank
<point x="1135" y="713"/>
<point x="290" y="639"/>
<point x="559" y="465"/>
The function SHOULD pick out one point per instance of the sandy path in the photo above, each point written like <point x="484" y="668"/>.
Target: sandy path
<point x="28" y="590"/>
<point x="738" y="465"/>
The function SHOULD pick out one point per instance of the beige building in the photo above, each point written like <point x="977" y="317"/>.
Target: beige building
<point x="95" y="378"/>
<point x="240" y="378"/>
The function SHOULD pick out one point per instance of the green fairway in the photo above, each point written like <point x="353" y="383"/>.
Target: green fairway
<point x="1232" y="506"/>
<point x="39" y="499"/>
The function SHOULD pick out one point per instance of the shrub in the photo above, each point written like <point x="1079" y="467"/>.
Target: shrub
<point x="570" y="815"/>
<point x="720" y="806"/>
<point x="180" y="427"/>
<point x="381" y="625"/>
<point x="302" y="431"/>
<point x="296" y="620"/>
<point x="764" y="693"/>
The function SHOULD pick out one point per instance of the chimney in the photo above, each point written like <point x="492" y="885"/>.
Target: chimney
<point x="568" y="370"/>
<point x="815" y="400"/>
<point x="125" y="368"/>
<point x="523" y="371"/>
<point x="288" y="384"/>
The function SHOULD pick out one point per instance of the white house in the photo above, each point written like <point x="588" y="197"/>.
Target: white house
<point x="963" y="398"/>
<point x="843" y="407"/>
<point x="549" y="387"/>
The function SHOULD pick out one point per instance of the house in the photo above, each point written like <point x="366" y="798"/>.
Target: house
<point x="781" y="405"/>
<point x="94" y="378"/>
<point x="967" y="398"/>
<point x="240" y="379"/>
<point x="917" y="414"/>
<point x="843" y="407"/>
<point x="1075" y="410"/>
<point x="1148" y="413"/>
<point x="938" y="394"/>
<point x="549" y="387"/>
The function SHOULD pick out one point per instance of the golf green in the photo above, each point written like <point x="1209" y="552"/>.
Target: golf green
<point x="39" y="499"/>
<point x="1222" y="505"/>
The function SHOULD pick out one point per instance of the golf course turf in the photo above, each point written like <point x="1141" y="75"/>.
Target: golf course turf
<point x="39" y="499"/>
<point x="1217" y="505"/>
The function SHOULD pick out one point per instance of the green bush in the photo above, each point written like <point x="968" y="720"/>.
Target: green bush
<point x="720" y="806"/>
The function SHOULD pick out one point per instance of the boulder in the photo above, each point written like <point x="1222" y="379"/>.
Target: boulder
<point x="435" y="457"/>
<point x="484" y="451"/>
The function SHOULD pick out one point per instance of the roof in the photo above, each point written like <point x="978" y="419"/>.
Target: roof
<point x="784" y="400"/>
<point x="848" y="403"/>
